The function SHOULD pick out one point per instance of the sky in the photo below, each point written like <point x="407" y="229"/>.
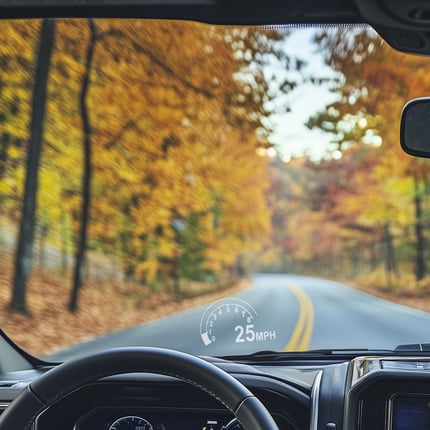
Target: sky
<point x="291" y="136"/>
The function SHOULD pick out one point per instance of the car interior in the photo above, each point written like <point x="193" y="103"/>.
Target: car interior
<point x="137" y="388"/>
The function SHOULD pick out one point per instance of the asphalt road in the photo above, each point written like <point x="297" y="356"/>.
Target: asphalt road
<point x="279" y="312"/>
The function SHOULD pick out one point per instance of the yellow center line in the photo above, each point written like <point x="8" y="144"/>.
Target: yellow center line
<point x="302" y="333"/>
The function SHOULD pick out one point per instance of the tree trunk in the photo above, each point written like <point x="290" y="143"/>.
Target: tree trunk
<point x="86" y="178"/>
<point x="23" y="256"/>
<point x="5" y="141"/>
<point x="43" y="233"/>
<point x="373" y="262"/>
<point x="390" y="257"/>
<point x="420" y="265"/>
<point x="64" y="243"/>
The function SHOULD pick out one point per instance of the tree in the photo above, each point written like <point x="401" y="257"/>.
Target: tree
<point x="376" y="83"/>
<point x="148" y="163"/>
<point x="170" y="177"/>
<point x="16" y="86"/>
<point x="23" y="256"/>
<point x="87" y="170"/>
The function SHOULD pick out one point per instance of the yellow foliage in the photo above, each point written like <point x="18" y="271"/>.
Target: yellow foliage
<point x="163" y="146"/>
<point x="147" y="270"/>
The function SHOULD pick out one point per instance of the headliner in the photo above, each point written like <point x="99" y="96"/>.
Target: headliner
<point x="404" y="24"/>
<point x="212" y="11"/>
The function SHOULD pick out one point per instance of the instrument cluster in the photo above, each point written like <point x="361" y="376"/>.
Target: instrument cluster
<point x="136" y="419"/>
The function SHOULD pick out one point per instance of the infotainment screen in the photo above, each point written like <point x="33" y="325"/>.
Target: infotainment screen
<point x="410" y="412"/>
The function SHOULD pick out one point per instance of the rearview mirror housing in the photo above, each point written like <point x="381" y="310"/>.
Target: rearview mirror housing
<point x="415" y="127"/>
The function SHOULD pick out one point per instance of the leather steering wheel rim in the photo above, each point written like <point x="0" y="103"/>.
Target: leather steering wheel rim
<point x="69" y="376"/>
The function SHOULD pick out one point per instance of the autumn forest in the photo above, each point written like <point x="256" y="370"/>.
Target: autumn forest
<point x="141" y="152"/>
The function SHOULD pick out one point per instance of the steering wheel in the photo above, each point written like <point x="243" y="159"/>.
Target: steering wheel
<point x="69" y="376"/>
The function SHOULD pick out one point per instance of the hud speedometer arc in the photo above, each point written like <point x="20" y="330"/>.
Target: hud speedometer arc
<point x="236" y="320"/>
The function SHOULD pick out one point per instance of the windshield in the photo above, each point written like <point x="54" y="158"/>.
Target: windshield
<point x="215" y="190"/>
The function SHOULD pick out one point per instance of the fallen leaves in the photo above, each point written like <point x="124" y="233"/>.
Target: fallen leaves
<point x="106" y="306"/>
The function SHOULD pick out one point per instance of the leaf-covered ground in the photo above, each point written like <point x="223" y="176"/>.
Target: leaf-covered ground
<point x="104" y="307"/>
<point x="412" y="297"/>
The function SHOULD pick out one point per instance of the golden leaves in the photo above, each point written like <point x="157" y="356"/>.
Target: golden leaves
<point x="164" y="151"/>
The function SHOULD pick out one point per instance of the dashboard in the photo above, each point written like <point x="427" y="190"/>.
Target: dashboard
<point x="364" y="393"/>
<point x="146" y="402"/>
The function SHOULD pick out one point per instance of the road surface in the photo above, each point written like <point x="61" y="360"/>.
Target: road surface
<point x="278" y="312"/>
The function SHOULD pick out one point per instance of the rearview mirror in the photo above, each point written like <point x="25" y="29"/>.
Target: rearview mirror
<point x="415" y="127"/>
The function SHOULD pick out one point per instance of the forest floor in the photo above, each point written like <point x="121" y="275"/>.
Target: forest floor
<point x="404" y="291"/>
<point x="103" y="307"/>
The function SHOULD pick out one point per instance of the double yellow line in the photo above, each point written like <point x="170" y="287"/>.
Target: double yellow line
<point x="302" y="333"/>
